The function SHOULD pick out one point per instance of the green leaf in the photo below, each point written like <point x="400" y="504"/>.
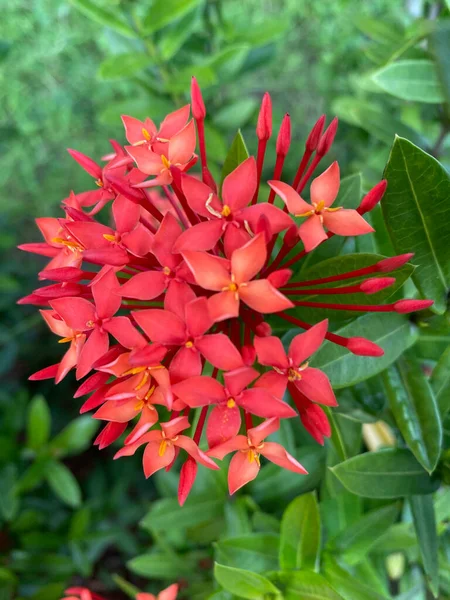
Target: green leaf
<point x="104" y="17"/>
<point x="440" y="383"/>
<point x="164" y="12"/>
<point x="236" y="155"/>
<point x="414" y="407"/>
<point x="121" y="66"/>
<point x="167" y="514"/>
<point x="388" y="473"/>
<point x="306" y="585"/>
<point x="263" y="33"/>
<point x="415" y="80"/>
<point x="378" y="30"/>
<point x="63" y="483"/>
<point x="347" y="585"/>
<point x="33" y="475"/>
<point x="417" y="211"/>
<point x="425" y="525"/>
<point x="353" y="544"/>
<point x="39" y="423"/>
<point x="245" y="584"/>
<point x="398" y="538"/>
<point x="228" y="62"/>
<point x="393" y="332"/>
<point x="161" y="565"/>
<point x="300" y="534"/>
<point x="257" y="552"/>
<point x="75" y="438"/>
<point x="440" y="45"/>
<point x="176" y="35"/>
<point x="9" y="501"/>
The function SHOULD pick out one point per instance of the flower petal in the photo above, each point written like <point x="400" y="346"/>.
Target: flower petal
<point x="198" y="319"/>
<point x="148" y="418"/>
<point x="147" y="161"/>
<point x="239" y="379"/>
<point x="247" y="261"/>
<point x="224" y="305"/>
<point x="198" y="194"/>
<point x="171" y="592"/>
<point x="346" y="221"/>
<point x="270" y="351"/>
<point x="106" y="293"/>
<point x="263" y="297"/>
<point x="242" y="470"/>
<point x="193" y="450"/>
<point x="239" y="186"/>
<point x="199" y="391"/>
<point x="235" y="237"/>
<point x="139" y="241"/>
<point x="295" y="204"/>
<point x="175" y="426"/>
<point x="186" y="363"/>
<point x="134" y="127"/>
<point x="119" y="411"/>
<point x="209" y="271"/>
<point x="220" y="351"/>
<point x="178" y="295"/>
<point x="76" y="312"/>
<point x="144" y="286"/>
<point x="325" y="188"/>
<point x="262" y="403"/>
<point x="174" y="122"/>
<point x="316" y="386"/>
<point x="274" y="382"/>
<point x="312" y="233"/>
<point x="232" y="444"/>
<point x="257" y="434"/>
<point x="203" y="236"/>
<point x="96" y="346"/>
<point x="278" y="455"/>
<point x="182" y="145"/>
<point x="154" y="460"/>
<point x="125" y="333"/>
<point x="277" y="218"/>
<point x="305" y="344"/>
<point x="161" y="325"/>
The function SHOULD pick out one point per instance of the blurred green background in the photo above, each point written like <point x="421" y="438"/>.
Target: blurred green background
<point x="68" y="70"/>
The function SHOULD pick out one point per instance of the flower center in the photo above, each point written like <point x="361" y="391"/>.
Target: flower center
<point x="110" y="237"/>
<point x="146" y="135"/>
<point x="166" y="271"/>
<point x="165" y="161"/>
<point x="189" y="344"/>
<point x="145" y="401"/>
<point x="226" y="211"/>
<point x="99" y="182"/>
<point x="72" y="245"/>
<point x="231" y="403"/>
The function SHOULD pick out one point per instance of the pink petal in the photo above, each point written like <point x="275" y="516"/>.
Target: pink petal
<point x="198" y="319"/>
<point x="125" y="333"/>
<point x="76" y="312"/>
<point x="182" y="145"/>
<point x="305" y="344"/>
<point x="106" y="294"/>
<point x="168" y="232"/>
<point x="96" y="346"/>
<point x="277" y="218"/>
<point x="109" y="434"/>
<point x="87" y="163"/>
<point x="232" y="444"/>
<point x="239" y="186"/>
<point x="209" y="271"/>
<point x="278" y="455"/>
<point x="125" y="389"/>
<point x="235" y="237"/>
<point x="220" y="351"/>
<point x="274" y="382"/>
<point x="174" y="122"/>
<point x="120" y="411"/>
<point x="224" y="305"/>
<point x="153" y="461"/>
<point x="139" y="241"/>
<point x="237" y="380"/>
<point x="270" y="351"/>
<point x="126" y="214"/>
<point x="262" y="403"/>
<point x="161" y="326"/>
<point x="147" y="161"/>
<point x="134" y="127"/>
<point x="325" y="188"/>
<point x="199" y="391"/>
<point x="90" y="235"/>
<point x="312" y="233"/>
<point x="346" y="221"/>
<point x="316" y="386"/>
<point x="203" y="236"/>
<point x="70" y="358"/>
<point x="242" y="470"/>
<point x="246" y="262"/>
<point x="56" y="325"/>
<point x="193" y="450"/>
<point x="171" y="592"/>
<point x="186" y="363"/>
<point x="295" y="204"/>
<point x="130" y="449"/>
<point x="144" y="286"/>
<point x="148" y="418"/>
<point x="197" y="194"/>
<point x="257" y="434"/>
<point x="175" y="426"/>
<point x="178" y="295"/>
<point x="263" y="297"/>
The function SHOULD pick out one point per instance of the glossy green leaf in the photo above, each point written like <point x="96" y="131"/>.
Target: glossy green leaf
<point x="417" y="211"/>
<point x="440" y="383"/>
<point x="300" y="534"/>
<point x="164" y="12"/>
<point x="425" y="525"/>
<point x="411" y="80"/>
<point x="236" y="155"/>
<point x="393" y="332"/>
<point x="346" y="584"/>
<point x="306" y="585"/>
<point x="257" y="552"/>
<point x="122" y="66"/>
<point x="63" y="483"/>
<point x="389" y="473"/>
<point x="38" y="424"/>
<point x="75" y="437"/>
<point x="353" y="543"/>
<point x="415" y="410"/>
<point x="103" y="16"/>
<point x="398" y="538"/>
<point x="237" y="518"/>
<point x="245" y="584"/>
<point x="176" y="35"/>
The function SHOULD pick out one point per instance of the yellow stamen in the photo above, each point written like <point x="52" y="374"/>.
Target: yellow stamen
<point x="99" y="182"/>
<point x="165" y="161"/>
<point x="189" y="344"/>
<point x="294" y="375"/>
<point x="319" y="206"/>
<point x="332" y="209"/>
<point x="64" y="340"/>
<point x="143" y="381"/>
<point x="74" y="246"/>
<point x="139" y="405"/>
<point x="226" y="211"/>
<point x="231" y="403"/>
<point x="304" y="215"/>
<point x="90" y="324"/>
<point x="109" y="237"/>
<point x="162" y="447"/>
<point x="150" y="392"/>
<point x="134" y="371"/>
<point x="166" y="271"/>
<point x="253" y="456"/>
<point x="146" y="134"/>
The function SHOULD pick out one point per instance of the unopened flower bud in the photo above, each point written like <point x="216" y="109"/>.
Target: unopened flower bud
<point x="248" y="355"/>
<point x="315" y="134"/>
<point x="394" y="262"/>
<point x="263" y="329"/>
<point x="291" y="236"/>
<point x="280" y="277"/>
<point x="284" y="136"/>
<point x="372" y="197"/>
<point x="209" y="179"/>
<point x="263" y="226"/>
<point x="362" y="347"/>
<point x="376" y="284"/>
<point x="188" y="473"/>
<point x="264" y="124"/>
<point x="326" y="141"/>
<point x="409" y="306"/>
<point x="198" y="106"/>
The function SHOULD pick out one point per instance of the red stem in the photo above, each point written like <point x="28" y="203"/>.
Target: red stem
<point x="356" y="307"/>
<point x="301" y="168"/>
<point x="342" y="276"/>
<point x="262" y="145"/>
<point x="349" y="289"/>
<point x="332" y="337"/>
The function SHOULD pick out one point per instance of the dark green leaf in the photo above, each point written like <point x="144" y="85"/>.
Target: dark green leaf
<point x="415" y="80"/>
<point x="236" y="155"/>
<point x="9" y="501"/>
<point x="389" y="473"/>
<point x="175" y="36"/>
<point x="228" y="62"/>
<point x="39" y="423"/>
<point x="122" y="66"/>
<point x="164" y="12"/>
<point x="63" y="483"/>
<point x="75" y="438"/>
<point x="425" y="525"/>
<point x="257" y="552"/>
<point x="300" y="534"/>
<point x="414" y="407"/>
<point x="104" y="17"/>
<point x="398" y="538"/>
<point x="245" y="584"/>
<point x="440" y="382"/>
<point x="306" y="585"/>
<point x="440" y="44"/>
<point x="416" y="210"/>
<point x="347" y="585"/>
<point x="167" y="514"/>
<point x="237" y="518"/>
<point x="393" y="332"/>
<point x="263" y="33"/>
<point x="353" y="544"/>
<point x="159" y="565"/>
<point x="32" y="476"/>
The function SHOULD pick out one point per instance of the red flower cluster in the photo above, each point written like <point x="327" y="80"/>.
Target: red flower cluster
<point x="81" y="593"/>
<point x="174" y="317"/>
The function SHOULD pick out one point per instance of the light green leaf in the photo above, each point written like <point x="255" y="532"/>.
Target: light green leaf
<point x="388" y="473"/>
<point x="414" y="407"/>
<point x="440" y="45"/>
<point x="75" y="438"/>
<point x="160" y="565"/>
<point x="176" y="35"/>
<point x="398" y="538"/>
<point x="104" y="17"/>
<point x="353" y="543"/>
<point x="63" y="483"/>
<point x="257" y="552"/>
<point x="347" y="585"/>
<point x="164" y="12"/>
<point x="377" y="29"/>
<point x="236" y="155"/>
<point x="245" y="584"/>
<point x="39" y="423"/>
<point x="300" y="534"/>
<point x="228" y="62"/>
<point x="417" y="212"/>
<point x="393" y="332"/>
<point x="415" y="80"/>
<point x="306" y="585"/>
<point x="121" y="66"/>
<point x="440" y="382"/>
<point x="425" y="525"/>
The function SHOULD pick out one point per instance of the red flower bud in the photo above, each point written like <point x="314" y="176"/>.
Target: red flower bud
<point x="395" y="262"/>
<point x="280" y="277"/>
<point x="291" y="236"/>
<point x="362" y="347"/>
<point x="376" y="284"/>
<point x="315" y="134"/>
<point x="284" y="136"/>
<point x="409" y="306"/>
<point x="198" y="106"/>
<point x="263" y="329"/>
<point x="264" y="124"/>
<point x="248" y="355"/>
<point x="188" y="473"/>
<point x="327" y="139"/>
<point x="372" y="197"/>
